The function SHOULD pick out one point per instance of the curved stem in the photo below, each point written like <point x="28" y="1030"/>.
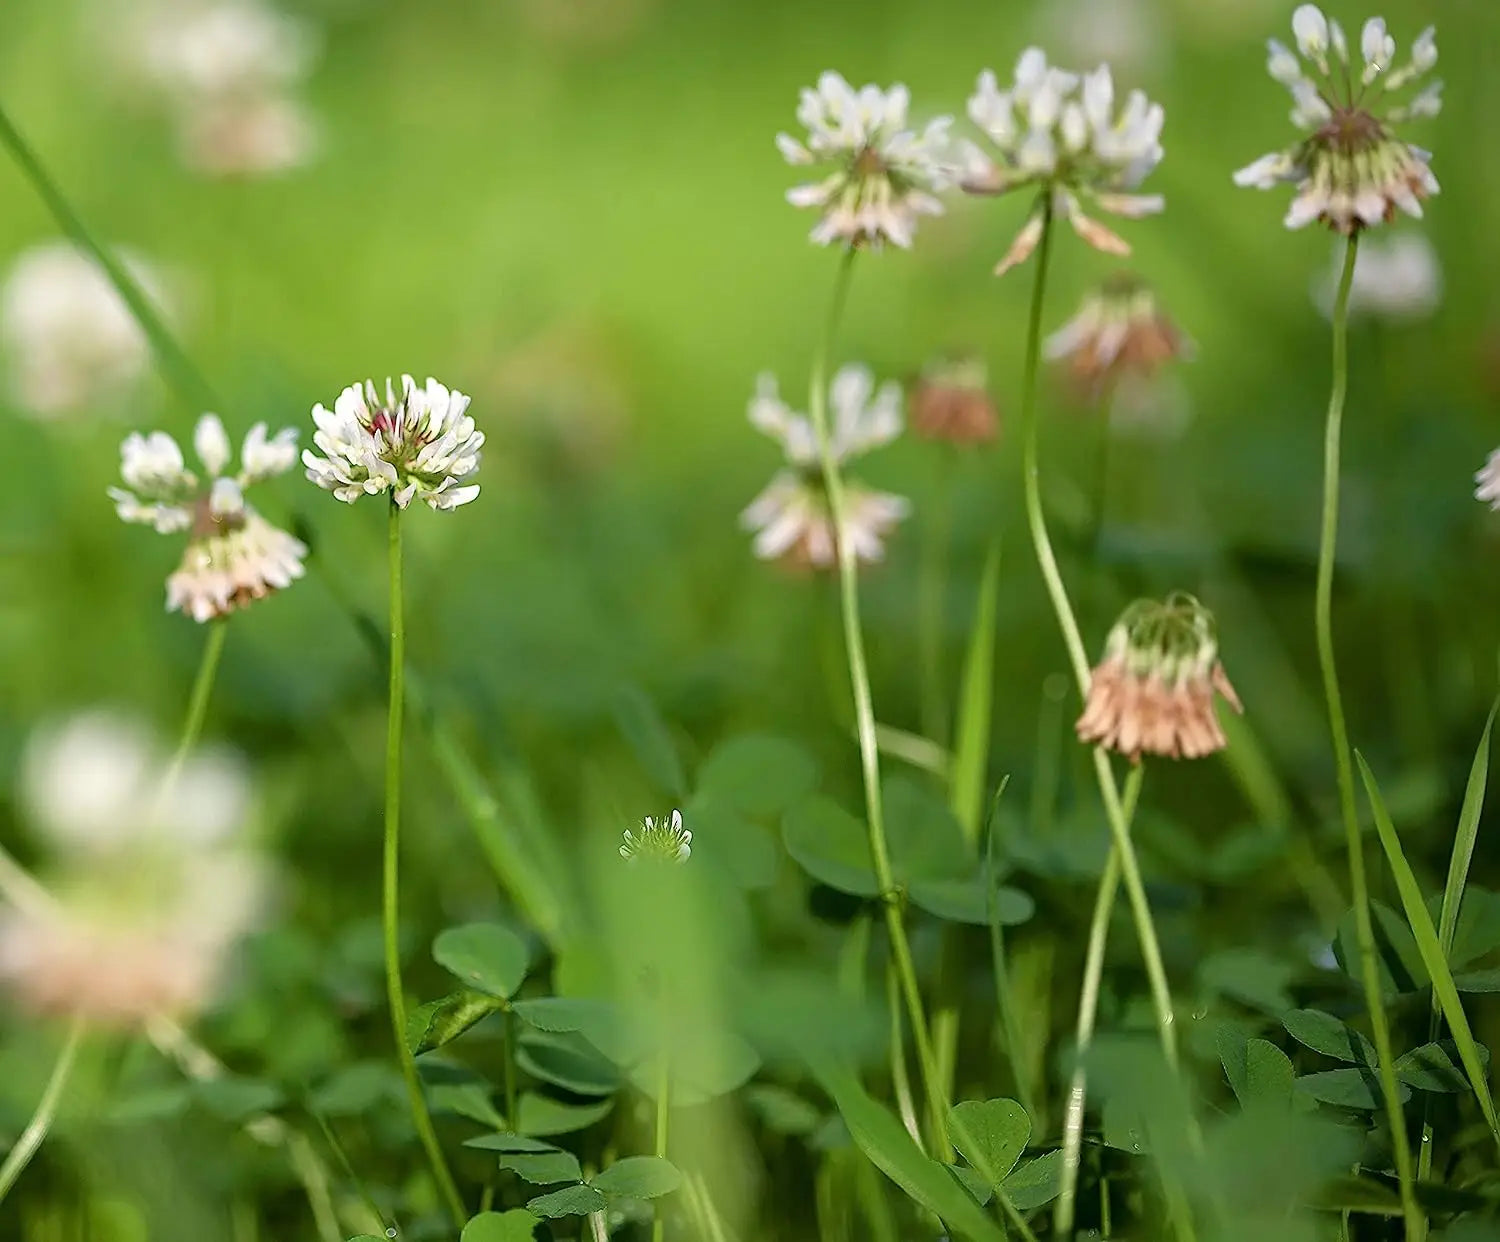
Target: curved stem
<point x="203" y="686"/>
<point x="864" y="715"/>
<point x="41" y="1120"/>
<point x="1323" y="620"/>
<point x="390" y="886"/>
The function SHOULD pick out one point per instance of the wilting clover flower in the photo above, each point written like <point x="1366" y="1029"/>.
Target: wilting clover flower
<point x="1395" y="278"/>
<point x="663" y="839"/>
<point x="880" y="175"/>
<point x="1351" y="171"/>
<point x="1119" y="330"/>
<point x="421" y="444"/>
<point x="1153" y="692"/>
<point x="1061" y="132"/>
<point x="151" y="882"/>
<point x="950" y="401"/>
<point x="791" y="517"/>
<point x="233" y="555"/>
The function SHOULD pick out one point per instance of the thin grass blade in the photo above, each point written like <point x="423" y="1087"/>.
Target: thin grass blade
<point x="976" y="695"/>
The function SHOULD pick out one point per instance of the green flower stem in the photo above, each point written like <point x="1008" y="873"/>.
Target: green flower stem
<point x="185" y="377"/>
<point x="46" y="1110"/>
<point x="390" y="887"/>
<point x="864" y="715"/>
<point x="1135" y="888"/>
<point x="931" y="590"/>
<point x="663" y="1117"/>
<point x="203" y="687"/>
<point x="1323" y="620"/>
<point x="1088" y="1007"/>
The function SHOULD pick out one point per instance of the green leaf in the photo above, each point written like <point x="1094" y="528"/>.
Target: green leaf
<point x="574" y="1201"/>
<point x="831" y="846"/>
<point x="542" y="1115"/>
<point x="703" y="1065"/>
<point x="1035" y="1183"/>
<point x="646" y="733"/>
<point x="151" y="1104"/>
<point x="1450" y="916"/>
<point x="638" y="1177"/>
<point x="517" y="1225"/>
<point x="990" y="1135"/>
<point x="976" y="691"/>
<point x="1478" y="981"/>
<point x="963" y="901"/>
<point x="357" y="1089"/>
<point x="486" y="956"/>
<point x="1346" y="1088"/>
<point x="758" y="775"/>
<point x="1476" y="933"/>
<point x="542" y="1168"/>
<point x="506" y="1140"/>
<point x="1432" y="1067"/>
<point x="1251" y="976"/>
<point x="569" y="1061"/>
<point x="781" y="1109"/>
<point x="466" y="1099"/>
<point x="1324" y="1033"/>
<point x="977" y="1186"/>
<point x="1356" y="1194"/>
<point x="1397" y="958"/>
<point x="558" y="1014"/>
<point x="441" y="1021"/>
<point x="238" y="1099"/>
<point x="1268" y="1076"/>
<point x="726" y="840"/>
<point x="925" y="839"/>
<point x="1432" y="952"/>
<point x="883" y="1139"/>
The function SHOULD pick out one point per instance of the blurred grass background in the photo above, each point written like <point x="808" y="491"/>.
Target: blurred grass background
<point x="572" y="210"/>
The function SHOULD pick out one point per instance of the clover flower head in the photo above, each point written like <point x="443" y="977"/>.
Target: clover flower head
<point x="1487" y="481"/>
<point x="233" y="554"/>
<point x="1063" y="133"/>
<point x="1121" y="329"/>
<point x="419" y="444"/>
<point x="879" y="174"/>
<point x="950" y="401"/>
<point x="1351" y="171"/>
<point x="1153" y="692"/>
<point x="151" y="882"/>
<point x="665" y="840"/>
<point x="791" y="518"/>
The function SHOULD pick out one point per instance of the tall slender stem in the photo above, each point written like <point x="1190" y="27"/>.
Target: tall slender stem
<point x="663" y="1118"/>
<point x="390" y="886"/>
<point x="931" y="590"/>
<point x="1135" y="888"/>
<point x="864" y="715"/>
<point x="1323" y="619"/>
<point x="183" y="374"/>
<point x="41" y="1120"/>
<point x="1088" y="1008"/>
<point x="203" y="687"/>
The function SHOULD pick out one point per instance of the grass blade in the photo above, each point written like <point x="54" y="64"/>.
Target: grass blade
<point x="976" y="693"/>
<point x="1431" y="949"/>
<point x="1463" y="840"/>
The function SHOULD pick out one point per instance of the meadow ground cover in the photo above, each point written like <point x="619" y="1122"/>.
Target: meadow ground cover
<point x="486" y="808"/>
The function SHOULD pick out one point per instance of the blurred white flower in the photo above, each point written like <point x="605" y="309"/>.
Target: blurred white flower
<point x="791" y="517"/>
<point x="233" y="555"/>
<point x="422" y="444"/>
<point x="1061" y="131"/>
<point x="248" y="138"/>
<point x="665" y="839"/>
<point x="1488" y="481"/>
<point x="1394" y="278"/>
<point x="880" y="175"/>
<point x="69" y="339"/>
<point x="1351" y="170"/>
<point x="1121" y="329"/>
<point x="153" y="883"/>
<point x="1127" y="34"/>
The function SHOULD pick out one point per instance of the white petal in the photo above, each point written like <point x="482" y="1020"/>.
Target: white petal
<point x="211" y="442"/>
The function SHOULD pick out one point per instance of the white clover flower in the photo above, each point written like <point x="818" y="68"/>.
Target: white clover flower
<point x="249" y="137"/>
<point x="1121" y="329"/>
<point x="791" y="517"/>
<point x="1351" y="171"/>
<point x="153" y="883"/>
<point x="1488" y="481"/>
<point x="664" y="840"/>
<point x="233" y="555"/>
<point x="1061" y="131"/>
<point x="69" y="339"/>
<point x="1398" y="278"/>
<point x="422" y="444"/>
<point x="880" y="175"/>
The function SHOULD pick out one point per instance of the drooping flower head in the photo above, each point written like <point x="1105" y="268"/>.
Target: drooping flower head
<point x="1351" y="171"/>
<point x="151" y="881"/>
<point x="1487" y="481"/>
<point x="422" y="444"/>
<point x="665" y="840"/>
<point x="1153" y="692"/>
<point x="233" y="554"/>
<point x="69" y="340"/>
<point x="950" y="401"/>
<point x="879" y="175"/>
<point x="1121" y="329"/>
<point x="791" y="517"/>
<point x="1396" y="278"/>
<point x="1061" y="132"/>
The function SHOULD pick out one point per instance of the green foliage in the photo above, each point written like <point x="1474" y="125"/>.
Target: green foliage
<point x="990" y="1135"/>
<point x="517" y="1225"/>
<point x="485" y="956"/>
<point x="638" y="1177"/>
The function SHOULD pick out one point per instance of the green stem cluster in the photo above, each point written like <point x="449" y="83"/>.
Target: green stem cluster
<point x="1369" y="969"/>
<point x="864" y="715"/>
